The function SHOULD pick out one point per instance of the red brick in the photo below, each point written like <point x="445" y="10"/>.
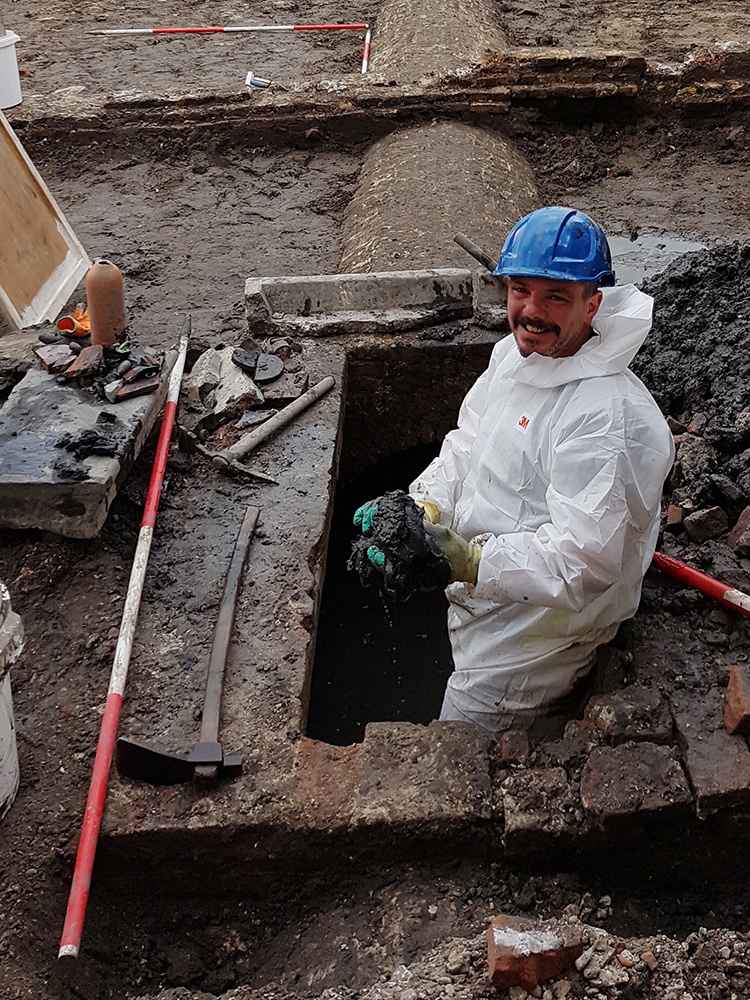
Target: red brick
<point x="54" y="358"/>
<point x="743" y="523"/>
<point x="87" y="362"/>
<point x="514" y="745"/>
<point x="737" y="701"/>
<point x="525" y="953"/>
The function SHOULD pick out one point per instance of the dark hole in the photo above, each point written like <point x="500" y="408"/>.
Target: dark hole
<point x="375" y="660"/>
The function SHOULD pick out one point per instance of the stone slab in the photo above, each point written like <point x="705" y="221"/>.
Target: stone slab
<point x="718" y="765"/>
<point x="634" y="778"/>
<point x="44" y="486"/>
<point x="383" y="302"/>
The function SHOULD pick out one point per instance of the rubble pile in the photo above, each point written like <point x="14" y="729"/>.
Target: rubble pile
<point x="696" y="362"/>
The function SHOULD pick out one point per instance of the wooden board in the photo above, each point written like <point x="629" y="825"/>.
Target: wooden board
<point x="41" y="260"/>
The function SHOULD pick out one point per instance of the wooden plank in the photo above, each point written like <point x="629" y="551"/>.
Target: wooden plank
<point x="41" y="259"/>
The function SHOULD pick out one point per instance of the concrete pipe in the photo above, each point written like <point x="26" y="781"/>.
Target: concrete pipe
<point x="420" y="186"/>
<point x="417" y="38"/>
<point x="11" y="644"/>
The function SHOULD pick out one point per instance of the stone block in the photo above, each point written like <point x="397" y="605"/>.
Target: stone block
<point x="379" y="302"/>
<point x="707" y="523"/>
<point x="737" y="701"/>
<point x="718" y="764"/>
<point x="632" y="778"/>
<point x="44" y="486"/>
<point x="522" y="952"/>
<point x="539" y="807"/>
<point x="636" y="713"/>
<point x="234" y="393"/>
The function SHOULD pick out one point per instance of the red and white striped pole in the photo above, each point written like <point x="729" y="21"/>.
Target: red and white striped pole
<point x="366" y="51"/>
<point x="728" y="596"/>
<point x="92" y="818"/>
<point x="228" y="29"/>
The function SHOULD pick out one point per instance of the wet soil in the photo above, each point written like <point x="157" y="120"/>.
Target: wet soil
<point x="188" y="221"/>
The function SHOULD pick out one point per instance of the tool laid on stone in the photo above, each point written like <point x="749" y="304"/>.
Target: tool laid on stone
<point x="190" y="442"/>
<point x="79" y="890"/>
<point x="728" y="596"/>
<point x="207" y="761"/>
<point x="230" y="458"/>
<point x="474" y="251"/>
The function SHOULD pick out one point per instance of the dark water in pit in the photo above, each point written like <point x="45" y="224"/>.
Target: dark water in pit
<point x="376" y="660"/>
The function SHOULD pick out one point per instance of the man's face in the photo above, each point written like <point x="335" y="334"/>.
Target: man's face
<point x="552" y="318"/>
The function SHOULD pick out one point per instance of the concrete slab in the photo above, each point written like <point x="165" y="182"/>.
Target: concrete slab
<point x="43" y="485"/>
<point x="321" y="305"/>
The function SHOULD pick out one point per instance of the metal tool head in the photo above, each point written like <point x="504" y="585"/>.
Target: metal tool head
<point x="206" y="762"/>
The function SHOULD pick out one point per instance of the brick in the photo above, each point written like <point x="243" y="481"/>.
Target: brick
<point x="513" y="745"/>
<point x="636" y="713"/>
<point x="87" y="362"/>
<point x="737" y="701"/>
<point x="525" y="953"/>
<point x="743" y="523"/>
<point x="539" y="808"/>
<point x="54" y="358"/>
<point x="580" y="737"/>
<point x="675" y="519"/>
<point x="634" y="778"/>
<point x="718" y="765"/>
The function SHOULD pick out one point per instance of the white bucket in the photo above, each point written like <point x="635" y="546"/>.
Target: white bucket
<point x="10" y="81"/>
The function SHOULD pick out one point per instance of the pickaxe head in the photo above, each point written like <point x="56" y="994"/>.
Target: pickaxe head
<point x="205" y="763"/>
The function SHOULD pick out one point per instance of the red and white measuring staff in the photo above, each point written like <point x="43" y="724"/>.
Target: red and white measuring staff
<point x="228" y="29"/>
<point x="92" y="818"/>
<point x="366" y="51"/>
<point x="728" y="596"/>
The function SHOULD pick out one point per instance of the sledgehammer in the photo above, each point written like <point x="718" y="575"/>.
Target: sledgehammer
<point x="206" y="761"/>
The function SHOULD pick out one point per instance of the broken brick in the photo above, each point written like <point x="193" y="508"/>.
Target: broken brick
<point x="54" y="358"/>
<point x="634" y="778"/>
<point x="514" y="745"/>
<point x="87" y="362"/>
<point x="675" y="518"/>
<point x="539" y="808"/>
<point x="743" y="523"/>
<point x="522" y="952"/>
<point x="737" y="701"/>
<point x="636" y="713"/>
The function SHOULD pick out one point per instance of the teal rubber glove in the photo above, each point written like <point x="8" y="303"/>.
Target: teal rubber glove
<point x="364" y="515"/>
<point x="462" y="555"/>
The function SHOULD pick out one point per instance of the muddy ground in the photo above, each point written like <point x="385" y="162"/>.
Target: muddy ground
<point x="188" y="221"/>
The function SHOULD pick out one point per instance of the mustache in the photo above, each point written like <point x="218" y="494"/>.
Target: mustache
<point x="537" y="326"/>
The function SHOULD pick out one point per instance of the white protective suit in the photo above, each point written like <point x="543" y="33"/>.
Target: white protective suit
<point x="557" y="468"/>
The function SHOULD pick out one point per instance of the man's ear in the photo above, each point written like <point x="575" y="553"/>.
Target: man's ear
<point x="592" y="306"/>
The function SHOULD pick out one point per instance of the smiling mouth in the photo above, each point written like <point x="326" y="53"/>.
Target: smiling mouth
<point x="537" y="329"/>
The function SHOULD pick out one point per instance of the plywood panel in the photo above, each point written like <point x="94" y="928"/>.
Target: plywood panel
<point x="41" y="260"/>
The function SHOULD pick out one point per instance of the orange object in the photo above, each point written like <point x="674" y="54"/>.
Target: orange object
<point x="106" y="302"/>
<point x="77" y="325"/>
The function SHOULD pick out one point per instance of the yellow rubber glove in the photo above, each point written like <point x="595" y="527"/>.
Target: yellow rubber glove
<point x="430" y="511"/>
<point x="462" y="555"/>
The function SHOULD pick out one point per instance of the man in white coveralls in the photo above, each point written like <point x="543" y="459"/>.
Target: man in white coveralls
<point x="546" y="496"/>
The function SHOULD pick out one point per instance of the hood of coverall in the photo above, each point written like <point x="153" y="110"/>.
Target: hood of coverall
<point x="620" y="327"/>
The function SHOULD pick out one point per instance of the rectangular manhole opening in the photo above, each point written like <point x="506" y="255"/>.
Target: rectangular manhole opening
<point x="377" y="659"/>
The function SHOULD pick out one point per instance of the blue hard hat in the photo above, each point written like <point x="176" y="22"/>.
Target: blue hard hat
<point x="557" y="243"/>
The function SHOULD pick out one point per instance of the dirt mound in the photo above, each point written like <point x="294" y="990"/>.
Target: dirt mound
<point x="696" y="362"/>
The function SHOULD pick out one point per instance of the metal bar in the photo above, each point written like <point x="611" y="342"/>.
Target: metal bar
<point x="92" y="819"/>
<point x="223" y="631"/>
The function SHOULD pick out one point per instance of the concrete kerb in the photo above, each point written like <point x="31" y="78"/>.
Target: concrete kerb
<point x="376" y="303"/>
